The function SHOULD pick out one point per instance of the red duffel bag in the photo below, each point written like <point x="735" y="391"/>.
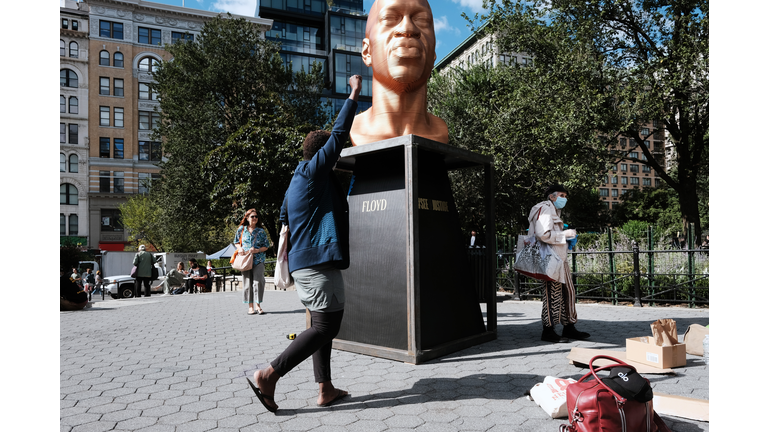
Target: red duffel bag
<point x="594" y="406"/>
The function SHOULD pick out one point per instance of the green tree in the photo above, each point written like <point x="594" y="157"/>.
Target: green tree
<point x="539" y="123"/>
<point x="215" y="89"/>
<point x="650" y="57"/>
<point x="142" y="217"/>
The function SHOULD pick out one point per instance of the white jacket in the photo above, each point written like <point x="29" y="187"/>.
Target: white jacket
<point x="549" y="229"/>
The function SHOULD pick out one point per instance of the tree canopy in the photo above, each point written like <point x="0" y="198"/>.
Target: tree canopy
<point x="230" y="117"/>
<point x="648" y="58"/>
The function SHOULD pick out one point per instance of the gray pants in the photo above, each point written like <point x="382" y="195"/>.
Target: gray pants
<point x="253" y="281"/>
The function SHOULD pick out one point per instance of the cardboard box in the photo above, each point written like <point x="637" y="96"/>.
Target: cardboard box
<point x="681" y="406"/>
<point x="639" y="350"/>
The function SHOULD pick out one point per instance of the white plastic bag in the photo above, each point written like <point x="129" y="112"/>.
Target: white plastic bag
<point x="550" y="396"/>
<point x="283" y="279"/>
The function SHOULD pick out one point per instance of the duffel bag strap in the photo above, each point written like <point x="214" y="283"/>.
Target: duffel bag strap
<point x="593" y="372"/>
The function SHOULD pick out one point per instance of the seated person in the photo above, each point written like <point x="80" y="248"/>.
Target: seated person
<point x="73" y="297"/>
<point x="197" y="277"/>
<point x="174" y="278"/>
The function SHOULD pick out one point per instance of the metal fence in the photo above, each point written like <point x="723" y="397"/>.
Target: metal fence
<point x="650" y="277"/>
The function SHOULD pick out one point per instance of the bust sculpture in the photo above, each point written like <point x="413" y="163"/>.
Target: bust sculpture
<point x="399" y="45"/>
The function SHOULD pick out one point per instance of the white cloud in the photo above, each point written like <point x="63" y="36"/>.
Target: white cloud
<point x="238" y="7"/>
<point x="475" y="5"/>
<point x="441" y="24"/>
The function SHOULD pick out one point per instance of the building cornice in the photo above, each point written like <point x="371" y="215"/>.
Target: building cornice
<point x="169" y="9"/>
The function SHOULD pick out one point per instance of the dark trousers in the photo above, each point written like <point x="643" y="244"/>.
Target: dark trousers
<point x="315" y="341"/>
<point x="137" y="286"/>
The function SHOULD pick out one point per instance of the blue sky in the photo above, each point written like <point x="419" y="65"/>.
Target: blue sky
<point x="450" y="27"/>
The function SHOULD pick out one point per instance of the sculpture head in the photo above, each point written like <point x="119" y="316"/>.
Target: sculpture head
<point x="399" y="44"/>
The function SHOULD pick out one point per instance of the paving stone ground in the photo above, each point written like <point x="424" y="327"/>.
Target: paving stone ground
<point x="177" y="364"/>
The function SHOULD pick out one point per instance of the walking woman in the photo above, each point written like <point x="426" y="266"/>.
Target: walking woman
<point x="254" y="241"/>
<point x="558" y="304"/>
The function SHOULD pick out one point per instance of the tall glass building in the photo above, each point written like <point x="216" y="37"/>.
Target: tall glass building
<point x="311" y="31"/>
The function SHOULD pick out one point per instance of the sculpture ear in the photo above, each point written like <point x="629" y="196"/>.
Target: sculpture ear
<point x="366" y="53"/>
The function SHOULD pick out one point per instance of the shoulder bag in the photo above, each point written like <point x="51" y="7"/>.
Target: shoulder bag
<point x="536" y="259"/>
<point x="242" y="262"/>
<point x="283" y="279"/>
<point x="595" y="405"/>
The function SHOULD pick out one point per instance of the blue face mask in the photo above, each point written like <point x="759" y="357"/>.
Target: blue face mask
<point x="560" y="202"/>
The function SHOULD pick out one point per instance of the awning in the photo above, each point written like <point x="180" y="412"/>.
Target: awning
<point x="112" y="246"/>
<point x="227" y="252"/>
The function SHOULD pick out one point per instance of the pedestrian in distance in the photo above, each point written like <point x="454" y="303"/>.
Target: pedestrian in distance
<point x="144" y="261"/>
<point x="88" y="283"/>
<point x="316" y="212"/>
<point x="558" y="303"/>
<point x="254" y="241"/>
<point x="99" y="282"/>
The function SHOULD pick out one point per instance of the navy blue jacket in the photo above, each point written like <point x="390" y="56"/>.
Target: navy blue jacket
<point x="315" y="206"/>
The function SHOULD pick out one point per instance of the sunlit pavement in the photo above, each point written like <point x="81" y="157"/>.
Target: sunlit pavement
<point x="177" y="363"/>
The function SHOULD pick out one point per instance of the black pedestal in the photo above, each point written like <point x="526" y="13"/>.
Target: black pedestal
<point x="409" y="294"/>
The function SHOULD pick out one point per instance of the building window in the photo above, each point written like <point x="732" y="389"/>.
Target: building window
<point x="62" y="224"/>
<point x="150" y="151"/>
<point x="614" y="193"/>
<point x="104" y="86"/>
<point x="111" y="220"/>
<point x="646" y="182"/>
<point x="73" y="159"/>
<point x="144" y="182"/>
<point x="103" y="147"/>
<point x="615" y="180"/>
<point x="68" y="194"/>
<point x="656" y="124"/>
<point x="74" y="25"/>
<point x="119" y="153"/>
<point x="103" y="116"/>
<point x="62" y="133"/>
<point x="146" y="93"/>
<point x="104" y="58"/>
<point x="658" y="182"/>
<point x="62" y="104"/>
<point x="118" y="60"/>
<point x="148" y="120"/>
<point x="119" y="182"/>
<point x="68" y="78"/>
<point x="73" y="133"/>
<point x="623" y="180"/>
<point x="646" y="169"/>
<point x="634" y="168"/>
<point x="103" y="181"/>
<point x="119" y="87"/>
<point x="73" y="49"/>
<point x="110" y="29"/>
<point x="178" y="36"/>
<point x="149" y="64"/>
<point x="645" y="132"/>
<point x="73" y="105"/>
<point x="634" y="181"/>
<point x="62" y="48"/>
<point x="149" y="36"/>
<point x="603" y="192"/>
<point x="624" y="167"/>
<point x="633" y="155"/>
<point x="64" y="23"/>
<point x="73" y="225"/>
<point x="62" y="162"/>
<point x="119" y="113"/>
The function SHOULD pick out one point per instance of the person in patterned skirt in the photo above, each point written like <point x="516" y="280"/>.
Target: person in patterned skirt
<point x="558" y="303"/>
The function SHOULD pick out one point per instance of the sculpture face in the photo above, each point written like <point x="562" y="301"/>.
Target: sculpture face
<point x="400" y="43"/>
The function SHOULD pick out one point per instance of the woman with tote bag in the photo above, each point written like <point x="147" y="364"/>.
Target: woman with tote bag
<point x="251" y="239"/>
<point x="558" y="303"/>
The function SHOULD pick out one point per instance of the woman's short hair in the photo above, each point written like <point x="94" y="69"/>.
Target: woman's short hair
<point x="554" y="188"/>
<point x="314" y="141"/>
<point x="180" y="264"/>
